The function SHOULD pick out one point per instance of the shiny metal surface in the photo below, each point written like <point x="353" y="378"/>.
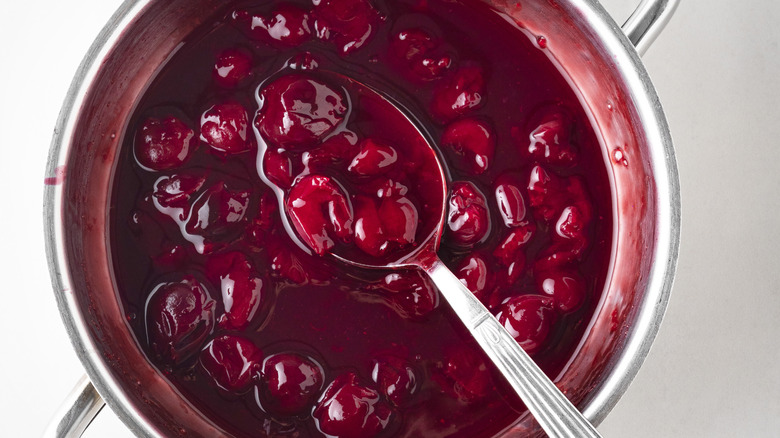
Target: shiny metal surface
<point x="647" y="22"/>
<point x="642" y="28"/>
<point x="77" y="411"/>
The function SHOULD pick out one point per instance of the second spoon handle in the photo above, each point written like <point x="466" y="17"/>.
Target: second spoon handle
<point x="554" y="412"/>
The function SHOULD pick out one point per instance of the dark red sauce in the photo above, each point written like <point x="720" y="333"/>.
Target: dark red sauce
<point x="250" y="157"/>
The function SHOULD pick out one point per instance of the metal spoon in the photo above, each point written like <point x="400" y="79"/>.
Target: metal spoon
<point x="554" y="412"/>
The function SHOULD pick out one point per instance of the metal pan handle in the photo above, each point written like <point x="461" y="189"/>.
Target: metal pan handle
<point x="647" y="22"/>
<point x="76" y="412"/>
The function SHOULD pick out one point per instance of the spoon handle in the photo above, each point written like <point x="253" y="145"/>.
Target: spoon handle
<point x="554" y="412"/>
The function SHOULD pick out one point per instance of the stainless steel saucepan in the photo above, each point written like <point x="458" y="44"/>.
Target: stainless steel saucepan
<point x="600" y="60"/>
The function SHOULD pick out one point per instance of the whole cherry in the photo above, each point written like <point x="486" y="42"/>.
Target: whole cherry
<point x="231" y="361"/>
<point x="179" y="318"/>
<point x="349" y="409"/>
<point x="290" y="383"/>
<point x="162" y="144"/>
<point x="529" y="319"/>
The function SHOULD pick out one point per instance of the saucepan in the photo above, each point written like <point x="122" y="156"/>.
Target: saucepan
<point x="599" y="59"/>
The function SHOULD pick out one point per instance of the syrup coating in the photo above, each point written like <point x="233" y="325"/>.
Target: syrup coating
<point x="248" y="125"/>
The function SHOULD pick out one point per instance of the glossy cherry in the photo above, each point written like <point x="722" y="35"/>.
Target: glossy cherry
<point x="468" y="374"/>
<point x="395" y="378"/>
<point x="529" y="319"/>
<point x="287" y="25"/>
<point x="179" y="318"/>
<point x="461" y="94"/>
<point x="291" y="383"/>
<point x="551" y="139"/>
<point x="241" y="287"/>
<point x="224" y="127"/>
<point x="473" y="272"/>
<point x="384" y="226"/>
<point x="468" y="220"/>
<point x="420" y="54"/>
<point x="231" y="361"/>
<point x="348" y="409"/>
<point x="278" y="167"/>
<point x="218" y="214"/>
<point x="347" y="23"/>
<point x="178" y="190"/>
<point x="162" y="144"/>
<point x="298" y="111"/>
<point x="473" y="143"/>
<point x="232" y="67"/>
<point x="510" y="200"/>
<point x="374" y="158"/>
<point x="410" y="293"/>
<point x="320" y="211"/>
<point x="566" y="286"/>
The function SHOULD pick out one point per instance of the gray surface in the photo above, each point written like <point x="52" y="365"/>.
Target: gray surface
<point x="713" y="369"/>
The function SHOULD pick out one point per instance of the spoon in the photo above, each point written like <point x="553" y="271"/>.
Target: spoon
<point x="554" y="412"/>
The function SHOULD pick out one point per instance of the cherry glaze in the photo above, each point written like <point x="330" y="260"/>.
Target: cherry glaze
<point x="251" y="157"/>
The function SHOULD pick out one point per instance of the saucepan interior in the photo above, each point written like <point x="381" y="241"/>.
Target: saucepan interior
<point x="582" y="40"/>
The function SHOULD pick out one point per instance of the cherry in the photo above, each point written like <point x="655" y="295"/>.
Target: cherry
<point x="410" y="293"/>
<point x="380" y="229"/>
<point x="285" y="264"/>
<point x="297" y="111"/>
<point x="550" y="141"/>
<point x="320" y="211"/>
<point x="473" y="143"/>
<point x="529" y="319"/>
<point x="510" y="249"/>
<point x="290" y="383"/>
<point x="278" y="167"/>
<point x="463" y="92"/>
<point x="579" y="197"/>
<point x="566" y="286"/>
<point x="511" y="203"/>
<point x="421" y="54"/>
<point x="395" y="378"/>
<point x="346" y="23"/>
<point x="333" y="150"/>
<point x="232" y="67"/>
<point x="467" y="374"/>
<point x="179" y="318"/>
<point x="217" y="214"/>
<point x="473" y="272"/>
<point x="571" y="223"/>
<point x="231" y="361"/>
<point x="224" y="128"/>
<point x="287" y="25"/>
<point x="242" y="289"/>
<point x="162" y="144"/>
<point x="350" y="410"/>
<point x="546" y="193"/>
<point x="399" y="219"/>
<point x="467" y="221"/>
<point x="374" y="158"/>
<point x="176" y="191"/>
<point x="294" y="265"/>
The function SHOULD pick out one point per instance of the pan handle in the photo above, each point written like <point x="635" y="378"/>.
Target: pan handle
<point x="76" y="412"/>
<point x="647" y="21"/>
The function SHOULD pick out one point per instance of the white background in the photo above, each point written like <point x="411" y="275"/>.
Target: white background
<point x="713" y="370"/>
